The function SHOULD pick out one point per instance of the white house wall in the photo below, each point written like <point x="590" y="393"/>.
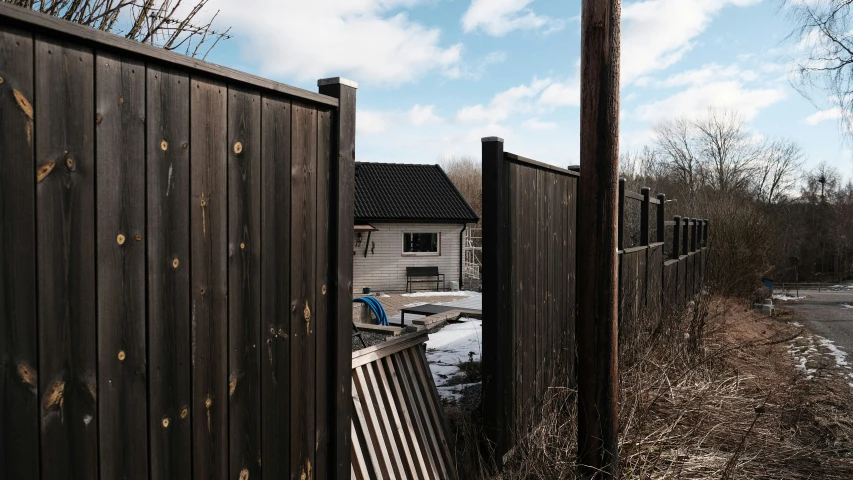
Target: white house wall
<point x="385" y="268"/>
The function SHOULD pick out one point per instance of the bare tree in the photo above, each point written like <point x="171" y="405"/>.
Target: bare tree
<point x="466" y="173"/>
<point x="169" y="24"/>
<point x="729" y="153"/>
<point x="678" y="151"/>
<point x="824" y="35"/>
<point x="777" y="171"/>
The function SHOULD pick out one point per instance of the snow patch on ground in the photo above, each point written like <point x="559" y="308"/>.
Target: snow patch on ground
<point x="786" y="298"/>
<point x="811" y="353"/>
<point x="846" y="305"/>
<point x="460" y="293"/>
<point x="450" y="346"/>
<point x="797" y="324"/>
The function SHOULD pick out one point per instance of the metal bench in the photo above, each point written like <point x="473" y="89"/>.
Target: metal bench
<point x="423" y="275"/>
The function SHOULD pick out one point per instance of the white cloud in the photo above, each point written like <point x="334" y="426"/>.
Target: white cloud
<point x="536" y="124"/>
<point x="696" y="99"/>
<point x="373" y="121"/>
<point x="366" y="40"/>
<point x="499" y="17"/>
<point x="420" y="115"/>
<point x="833" y="113"/>
<point x="563" y="94"/>
<point x="514" y="100"/>
<point x="657" y="33"/>
<point x="368" y="121"/>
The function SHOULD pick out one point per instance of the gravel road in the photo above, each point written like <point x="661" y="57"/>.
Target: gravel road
<point x="826" y="314"/>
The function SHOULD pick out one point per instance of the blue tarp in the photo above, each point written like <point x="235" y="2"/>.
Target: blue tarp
<point x="376" y="307"/>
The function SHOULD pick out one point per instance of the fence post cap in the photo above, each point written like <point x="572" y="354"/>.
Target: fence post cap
<point x="336" y="81"/>
<point x="492" y="139"/>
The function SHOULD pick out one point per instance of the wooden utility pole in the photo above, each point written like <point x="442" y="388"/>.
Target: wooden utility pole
<point x="597" y="322"/>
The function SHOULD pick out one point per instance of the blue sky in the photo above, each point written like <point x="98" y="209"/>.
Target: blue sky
<point x="437" y="75"/>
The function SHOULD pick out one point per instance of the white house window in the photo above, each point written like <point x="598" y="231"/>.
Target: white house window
<point x="421" y="243"/>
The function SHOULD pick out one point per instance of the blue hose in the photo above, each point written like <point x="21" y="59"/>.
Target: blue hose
<point x="376" y="308"/>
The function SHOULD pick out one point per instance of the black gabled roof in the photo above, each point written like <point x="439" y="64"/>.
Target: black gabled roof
<point x="405" y="192"/>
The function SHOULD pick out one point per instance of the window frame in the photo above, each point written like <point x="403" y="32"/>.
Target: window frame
<point x="420" y="254"/>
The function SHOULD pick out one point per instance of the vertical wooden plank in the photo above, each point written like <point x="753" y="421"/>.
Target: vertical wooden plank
<point x="572" y="251"/>
<point x="303" y="238"/>
<point x="323" y="336"/>
<point x="19" y="426"/>
<point x="496" y="305"/>
<point x="168" y="178"/>
<point x="208" y="236"/>
<point x="620" y="232"/>
<point x="65" y="206"/>
<point x="342" y="181"/>
<point x="515" y="376"/>
<point x="244" y="277"/>
<point x="661" y="217"/>
<point x="644" y="216"/>
<point x="275" y="288"/>
<point x="529" y="302"/>
<point x="122" y="346"/>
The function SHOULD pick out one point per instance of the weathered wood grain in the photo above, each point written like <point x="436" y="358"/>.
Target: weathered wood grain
<point x="208" y="258"/>
<point x="303" y="287"/>
<point x="168" y="186"/>
<point x="342" y="183"/>
<point x="122" y="353"/>
<point x="275" y="287"/>
<point x="65" y="206"/>
<point x="19" y="410"/>
<point x="323" y="332"/>
<point x="244" y="276"/>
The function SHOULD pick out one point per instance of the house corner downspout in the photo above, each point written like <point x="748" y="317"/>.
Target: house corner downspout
<point x="461" y="253"/>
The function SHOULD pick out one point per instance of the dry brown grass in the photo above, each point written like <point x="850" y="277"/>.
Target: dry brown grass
<point x="729" y="404"/>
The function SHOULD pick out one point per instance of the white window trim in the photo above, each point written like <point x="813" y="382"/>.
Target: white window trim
<point x="419" y="254"/>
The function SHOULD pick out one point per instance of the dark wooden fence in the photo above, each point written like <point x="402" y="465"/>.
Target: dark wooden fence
<point x="653" y="282"/>
<point x="170" y="289"/>
<point x="529" y="295"/>
<point x="529" y="235"/>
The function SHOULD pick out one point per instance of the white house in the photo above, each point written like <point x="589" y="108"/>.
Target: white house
<point x="407" y="216"/>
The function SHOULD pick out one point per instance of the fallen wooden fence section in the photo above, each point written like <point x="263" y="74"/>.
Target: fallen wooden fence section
<point x="398" y="425"/>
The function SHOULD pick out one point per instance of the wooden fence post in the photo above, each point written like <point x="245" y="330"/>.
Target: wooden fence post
<point x="497" y="304"/>
<point x="661" y="216"/>
<point x="644" y="217"/>
<point x="676" y="235"/>
<point x="694" y="229"/>
<point x="597" y="320"/>
<point x="698" y="243"/>
<point x="685" y="234"/>
<point x="341" y="217"/>
<point x="620" y="232"/>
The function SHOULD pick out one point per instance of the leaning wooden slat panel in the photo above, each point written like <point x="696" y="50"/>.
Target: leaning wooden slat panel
<point x="411" y="405"/>
<point x="364" y="412"/>
<point x="399" y="428"/>
<point x="244" y="276"/>
<point x="422" y="411"/>
<point x="168" y="179"/>
<point x="323" y="334"/>
<point x="358" y="466"/>
<point x="208" y="236"/>
<point x="19" y="430"/>
<point x="275" y="288"/>
<point x="303" y="237"/>
<point x="66" y="264"/>
<point x="389" y="436"/>
<point x="435" y="411"/>
<point x="122" y="356"/>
